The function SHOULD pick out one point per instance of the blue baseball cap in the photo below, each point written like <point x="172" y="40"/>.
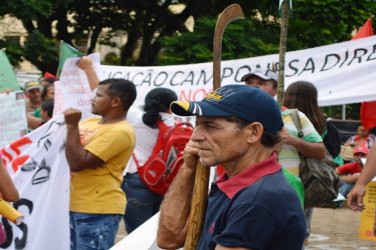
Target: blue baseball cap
<point x="242" y="101"/>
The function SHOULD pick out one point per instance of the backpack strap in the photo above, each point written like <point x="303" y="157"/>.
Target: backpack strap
<point x="163" y="128"/>
<point x="135" y="161"/>
<point x="296" y="120"/>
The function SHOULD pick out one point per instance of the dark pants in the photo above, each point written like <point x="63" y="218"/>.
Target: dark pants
<point x="142" y="203"/>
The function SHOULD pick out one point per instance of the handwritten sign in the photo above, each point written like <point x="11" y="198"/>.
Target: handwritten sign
<point x="73" y="90"/>
<point x="13" y="123"/>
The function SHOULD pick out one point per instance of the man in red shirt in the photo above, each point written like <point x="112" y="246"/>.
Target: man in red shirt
<point x="350" y="171"/>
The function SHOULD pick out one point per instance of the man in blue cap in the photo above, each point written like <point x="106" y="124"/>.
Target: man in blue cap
<point x="250" y="207"/>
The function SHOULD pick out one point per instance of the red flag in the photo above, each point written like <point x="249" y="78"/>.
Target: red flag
<point x="365" y="30"/>
<point x="368" y="109"/>
<point x="368" y="114"/>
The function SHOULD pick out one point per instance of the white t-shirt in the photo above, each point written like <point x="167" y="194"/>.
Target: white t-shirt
<point x="146" y="137"/>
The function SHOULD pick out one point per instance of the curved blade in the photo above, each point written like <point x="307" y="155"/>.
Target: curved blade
<point x="231" y="13"/>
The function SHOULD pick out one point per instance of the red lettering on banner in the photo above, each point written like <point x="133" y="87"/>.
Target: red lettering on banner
<point x="193" y="95"/>
<point x="19" y="143"/>
<point x="19" y="161"/>
<point x="15" y="146"/>
<point x="6" y="156"/>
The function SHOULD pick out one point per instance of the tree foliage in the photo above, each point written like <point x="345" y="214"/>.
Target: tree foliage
<point x="156" y="35"/>
<point x="311" y="24"/>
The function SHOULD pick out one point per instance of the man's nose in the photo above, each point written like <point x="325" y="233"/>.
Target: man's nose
<point x="198" y="134"/>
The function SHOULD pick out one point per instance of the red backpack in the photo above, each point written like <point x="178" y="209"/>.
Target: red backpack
<point x="166" y="158"/>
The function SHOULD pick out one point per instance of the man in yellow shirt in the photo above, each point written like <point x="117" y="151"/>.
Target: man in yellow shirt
<point x="97" y="149"/>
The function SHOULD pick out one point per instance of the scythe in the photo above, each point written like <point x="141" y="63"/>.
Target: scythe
<point x="199" y="200"/>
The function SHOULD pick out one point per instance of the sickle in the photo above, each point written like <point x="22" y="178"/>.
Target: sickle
<point x="200" y="191"/>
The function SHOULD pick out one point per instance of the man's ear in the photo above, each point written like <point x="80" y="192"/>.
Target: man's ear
<point x="116" y="102"/>
<point x="255" y="131"/>
<point x="274" y="92"/>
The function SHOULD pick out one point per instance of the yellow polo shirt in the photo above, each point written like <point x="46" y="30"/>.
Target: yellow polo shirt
<point x="98" y="190"/>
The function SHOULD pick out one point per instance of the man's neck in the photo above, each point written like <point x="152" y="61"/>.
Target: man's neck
<point x="112" y="118"/>
<point x="254" y="156"/>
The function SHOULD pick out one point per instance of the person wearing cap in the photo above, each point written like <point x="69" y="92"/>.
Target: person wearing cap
<point x="355" y="197"/>
<point x="33" y="92"/>
<point x="266" y="79"/>
<point x="310" y="145"/>
<point x="237" y="127"/>
<point x="350" y="171"/>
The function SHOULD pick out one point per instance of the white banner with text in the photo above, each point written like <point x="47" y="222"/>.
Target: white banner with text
<point x="40" y="172"/>
<point x="342" y="73"/>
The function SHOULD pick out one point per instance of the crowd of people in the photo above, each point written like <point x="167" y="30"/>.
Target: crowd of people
<point x="240" y="129"/>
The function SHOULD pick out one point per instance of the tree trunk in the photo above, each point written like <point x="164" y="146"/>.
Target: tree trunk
<point x="282" y="51"/>
<point x="94" y="38"/>
<point x="129" y="47"/>
<point x="62" y="24"/>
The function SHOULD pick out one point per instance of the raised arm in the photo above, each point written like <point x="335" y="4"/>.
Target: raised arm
<point x="86" y="64"/>
<point x="176" y="206"/>
<point x="78" y="158"/>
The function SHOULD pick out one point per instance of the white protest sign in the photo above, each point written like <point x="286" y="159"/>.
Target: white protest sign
<point x="13" y="123"/>
<point x="72" y="89"/>
<point x="40" y="172"/>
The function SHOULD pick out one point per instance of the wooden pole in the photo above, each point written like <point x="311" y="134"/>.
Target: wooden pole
<point x="198" y="207"/>
<point x="282" y="51"/>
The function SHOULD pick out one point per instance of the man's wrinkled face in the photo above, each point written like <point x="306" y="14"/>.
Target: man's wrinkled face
<point x="266" y="85"/>
<point x="219" y="140"/>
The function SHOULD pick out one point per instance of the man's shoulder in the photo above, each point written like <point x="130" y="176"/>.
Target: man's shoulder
<point x="271" y="190"/>
<point x="268" y="183"/>
<point x="122" y="126"/>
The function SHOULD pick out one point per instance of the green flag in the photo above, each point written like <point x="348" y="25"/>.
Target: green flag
<point x="8" y="79"/>
<point x="66" y="51"/>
